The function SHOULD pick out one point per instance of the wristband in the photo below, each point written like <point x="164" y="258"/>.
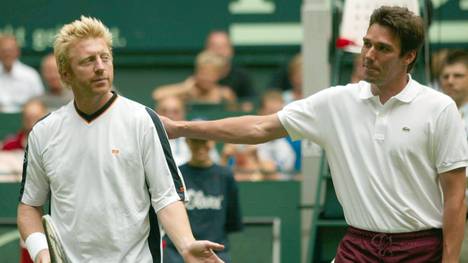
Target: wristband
<point x="36" y="242"/>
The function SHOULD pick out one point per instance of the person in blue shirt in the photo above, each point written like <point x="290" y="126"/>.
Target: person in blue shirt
<point x="213" y="207"/>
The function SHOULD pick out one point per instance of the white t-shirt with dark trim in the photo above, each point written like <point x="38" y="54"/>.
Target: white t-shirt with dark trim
<point x="102" y="176"/>
<point x="384" y="159"/>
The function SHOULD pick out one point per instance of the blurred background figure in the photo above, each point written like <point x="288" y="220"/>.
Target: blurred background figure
<point x="454" y="80"/>
<point x="18" y="82"/>
<point x="213" y="207"/>
<point x="295" y="80"/>
<point x="273" y="160"/>
<point x="33" y="111"/>
<point x="279" y="155"/>
<point x="57" y="94"/>
<point x="174" y="108"/>
<point x="233" y="76"/>
<point x="243" y="160"/>
<point x="358" y="69"/>
<point x="437" y="62"/>
<point x="202" y="86"/>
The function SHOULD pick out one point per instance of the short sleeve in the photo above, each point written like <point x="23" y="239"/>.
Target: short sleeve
<point x="451" y="150"/>
<point x="164" y="180"/>
<point x="35" y="184"/>
<point x="302" y="119"/>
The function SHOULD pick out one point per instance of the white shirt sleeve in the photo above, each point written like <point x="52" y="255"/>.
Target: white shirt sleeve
<point x="163" y="177"/>
<point x="450" y="145"/>
<point x="303" y="118"/>
<point x="35" y="185"/>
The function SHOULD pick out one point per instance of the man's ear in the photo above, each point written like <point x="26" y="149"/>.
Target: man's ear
<point x="65" y="76"/>
<point x="410" y="56"/>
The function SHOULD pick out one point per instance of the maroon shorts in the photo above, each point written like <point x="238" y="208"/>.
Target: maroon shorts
<point x="365" y="246"/>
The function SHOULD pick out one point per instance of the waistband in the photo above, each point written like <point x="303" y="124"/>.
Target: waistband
<point x="395" y="236"/>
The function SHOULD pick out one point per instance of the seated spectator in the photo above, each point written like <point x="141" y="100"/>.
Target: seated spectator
<point x="278" y="154"/>
<point x="273" y="160"/>
<point x="203" y="86"/>
<point x="18" y="82"/>
<point x="243" y="160"/>
<point x="233" y="76"/>
<point x="56" y="95"/>
<point x="295" y="79"/>
<point x="214" y="207"/>
<point x="280" y="80"/>
<point x="174" y="108"/>
<point x="33" y="111"/>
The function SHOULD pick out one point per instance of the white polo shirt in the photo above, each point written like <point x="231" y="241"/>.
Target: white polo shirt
<point x="384" y="159"/>
<point x="18" y="86"/>
<point x="103" y="175"/>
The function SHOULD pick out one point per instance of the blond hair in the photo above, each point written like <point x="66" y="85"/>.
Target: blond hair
<point x="210" y="58"/>
<point x="85" y="28"/>
<point x="295" y="64"/>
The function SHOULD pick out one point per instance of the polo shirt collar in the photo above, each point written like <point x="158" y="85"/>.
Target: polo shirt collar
<point x="410" y="91"/>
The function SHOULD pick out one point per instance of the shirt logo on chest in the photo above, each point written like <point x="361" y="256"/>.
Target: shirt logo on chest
<point x="115" y="152"/>
<point x="405" y="129"/>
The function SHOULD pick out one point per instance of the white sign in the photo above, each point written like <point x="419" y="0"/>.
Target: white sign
<point x="356" y="15"/>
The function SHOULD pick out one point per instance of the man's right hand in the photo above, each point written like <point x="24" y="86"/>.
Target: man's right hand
<point x="43" y="257"/>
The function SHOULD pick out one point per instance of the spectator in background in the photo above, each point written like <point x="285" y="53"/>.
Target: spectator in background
<point x="233" y="76"/>
<point x="278" y="154"/>
<point x="213" y="207"/>
<point x="174" y="108"/>
<point x="33" y="110"/>
<point x="273" y="160"/>
<point x="280" y="80"/>
<point x="454" y="80"/>
<point x="295" y="80"/>
<point x="57" y="94"/>
<point x="18" y="82"/>
<point x="203" y="86"/>
<point x="437" y="61"/>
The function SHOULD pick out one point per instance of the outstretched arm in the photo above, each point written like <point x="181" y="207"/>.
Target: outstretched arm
<point x="176" y="224"/>
<point x="244" y="129"/>
<point x="453" y="186"/>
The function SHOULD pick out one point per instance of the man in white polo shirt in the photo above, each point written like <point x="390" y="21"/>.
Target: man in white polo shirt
<point x="18" y="82"/>
<point x="397" y="149"/>
<point x="106" y="164"/>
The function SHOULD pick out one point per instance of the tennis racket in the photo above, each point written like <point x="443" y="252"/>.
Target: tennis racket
<point x="56" y="251"/>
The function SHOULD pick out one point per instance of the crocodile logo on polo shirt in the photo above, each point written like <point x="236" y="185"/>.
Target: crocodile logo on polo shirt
<point x="405" y="129"/>
<point x="115" y="152"/>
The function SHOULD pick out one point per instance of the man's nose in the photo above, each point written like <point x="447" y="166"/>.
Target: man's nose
<point x="370" y="53"/>
<point x="99" y="65"/>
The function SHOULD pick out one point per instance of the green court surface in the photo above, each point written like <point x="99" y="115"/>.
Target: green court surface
<point x="9" y="244"/>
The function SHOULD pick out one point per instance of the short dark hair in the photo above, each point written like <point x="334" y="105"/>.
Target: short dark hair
<point x="457" y="56"/>
<point x="408" y="27"/>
